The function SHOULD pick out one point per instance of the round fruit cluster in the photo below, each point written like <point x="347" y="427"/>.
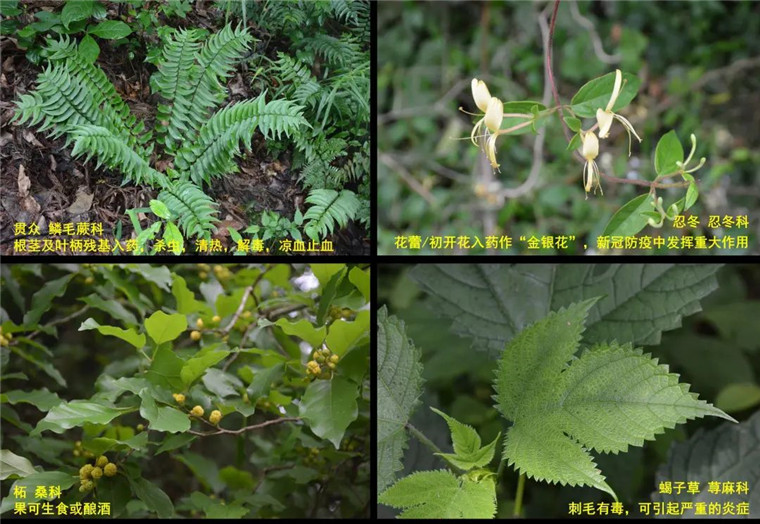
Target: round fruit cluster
<point x="322" y="364"/>
<point x="89" y="473"/>
<point x="198" y="411"/>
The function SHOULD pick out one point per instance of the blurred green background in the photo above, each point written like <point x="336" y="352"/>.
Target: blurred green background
<point x="713" y="350"/>
<point x="699" y="63"/>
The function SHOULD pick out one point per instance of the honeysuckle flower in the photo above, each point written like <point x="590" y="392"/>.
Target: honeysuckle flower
<point x="480" y="94"/>
<point x="604" y="118"/>
<point x="494" y="115"/>
<point x="589" y="151"/>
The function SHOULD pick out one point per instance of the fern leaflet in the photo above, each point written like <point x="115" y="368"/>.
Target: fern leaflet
<point x="328" y="208"/>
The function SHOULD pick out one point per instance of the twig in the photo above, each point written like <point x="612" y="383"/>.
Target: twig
<point x="247" y="428"/>
<point x="239" y="311"/>
<point x="588" y="25"/>
<point x="60" y="320"/>
<point x="550" y="74"/>
<point x="413" y="184"/>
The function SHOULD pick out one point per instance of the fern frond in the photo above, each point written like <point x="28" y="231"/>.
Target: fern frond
<point x="219" y="139"/>
<point x="328" y="208"/>
<point x="336" y="51"/>
<point x="173" y="81"/>
<point x="216" y="61"/>
<point x="60" y="102"/>
<point x="121" y="120"/>
<point x="195" y="211"/>
<point x="113" y="151"/>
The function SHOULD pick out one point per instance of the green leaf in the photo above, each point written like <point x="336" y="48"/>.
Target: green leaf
<point x="399" y="380"/>
<point x="173" y="234"/>
<point x="573" y="123"/>
<point x="159" y="209"/>
<point x="165" y="328"/>
<point x="360" y="279"/>
<point x="221" y="383"/>
<point x="166" y="369"/>
<point x="441" y="495"/>
<point x="736" y="322"/>
<point x="162" y="418"/>
<point x="42" y="399"/>
<point x="175" y="441"/>
<point x="728" y="453"/>
<point x="237" y="478"/>
<point x="329" y="406"/>
<point x="111" y="30"/>
<point x="154" y="498"/>
<point x="639" y="302"/>
<point x="574" y="143"/>
<point x="89" y="49"/>
<point x="304" y="330"/>
<point x="263" y="380"/>
<point x="628" y="220"/>
<point x="467" y="451"/>
<point x="520" y="107"/>
<point x="12" y="464"/>
<point x="76" y="10"/>
<point x="609" y="398"/>
<point x="186" y="301"/>
<point x="669" y="151"/>
<point x="77" y="413"/>
<point x="195" y="367"/>
<point x="128" y="335"/>
<point x="692" y="192"/>
<point x="596" y="94"/>
<point x="29" y="484"/>
<point x="324" y="272"/>
<point x="738" y="397"/>
<point x="113" y="308"/>
<point x="42" y="299"/>
<point x="343" y="335"/>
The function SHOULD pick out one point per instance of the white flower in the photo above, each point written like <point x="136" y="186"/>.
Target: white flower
<point x="604" y="118"/>
<point x="492" y="119"/>
<point x="480" y="94"/>
<point x="589" y="151"/>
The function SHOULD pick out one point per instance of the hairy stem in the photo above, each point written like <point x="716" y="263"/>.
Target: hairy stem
<point x="422" y="438"/>
<point x="519" y="495"/>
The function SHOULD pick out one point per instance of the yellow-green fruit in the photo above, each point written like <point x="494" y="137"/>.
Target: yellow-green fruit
<point x="334" y="359"/>
<point x="96" y="473"/>
<point x="140" y="427"/>
<point x="199" y="323"/>
<point x="86" y="485"/>
<point x="102" y="461"/>
<point x="110" y="469"/>
<point x="331" y="365"/>
<point x="179" y="397"/>
<point x="216" y="319"/>
<point x="320" y="359"/>
<point x="215" y="417"/>
<point x="89" y="454"/>
<point x="195" y="335"/>
<point x="203" y="275"/>
<point x="89" y="280"/>
<point x="84" y="471"/>
<point x="77" y="453"/>
<point x="197" y="411"/>
<point x="78" y="444"/>
<point x="247" y="314"/>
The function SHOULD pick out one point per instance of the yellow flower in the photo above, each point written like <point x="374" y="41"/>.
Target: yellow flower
<point x="215" y="417"/>
<point x="604" y="118"/>
<point x="589" y="151"/>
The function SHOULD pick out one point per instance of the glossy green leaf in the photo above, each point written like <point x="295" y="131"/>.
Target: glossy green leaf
<point x="12" y="464"/>
<point x="77" y="413"/>
<point x="628" y="220"/>
<point x="42" y="399"/>
<point x="343" y="335"/>
<point x="162" y="418"/>
<point x="262" y="381"/>
<point x="111" y="30"/>
<point x="76" y="10"/>
<point x="573" y="123"/>
<point x="361" y="279"/>
<point x="195" y="367"/>
<point x="596" y="94"/>
<point x="669" y="151"/>
<point x="304" y="330"/>
<point x="154" y="497"/>
<point x="89" y="48"/>
<point x="329" y="406"/>
<point x="166" y="369"/>
<point x="128" y="335"/>
<point x="692" y="192"/>
<point x="165" y="328"/>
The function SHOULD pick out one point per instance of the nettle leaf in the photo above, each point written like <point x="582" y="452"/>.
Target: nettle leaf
<point x="728" y="453"/>
<point x="639" y="301"/>
<point x="441" y="495"/>
<point x="467" y="451"/>
<point x="399" y="381"/>
<point x="611" y="397"/>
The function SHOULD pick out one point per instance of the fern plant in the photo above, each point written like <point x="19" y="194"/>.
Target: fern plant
<point x="328" y="73"/>
<point x="74" y="99"/>
<point x="567" y="393"/>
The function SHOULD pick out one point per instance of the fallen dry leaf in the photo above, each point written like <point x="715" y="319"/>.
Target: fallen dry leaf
<point x="23" y="182"/>
<point x="29" y="137"/>
<point x="82" y="202"/>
